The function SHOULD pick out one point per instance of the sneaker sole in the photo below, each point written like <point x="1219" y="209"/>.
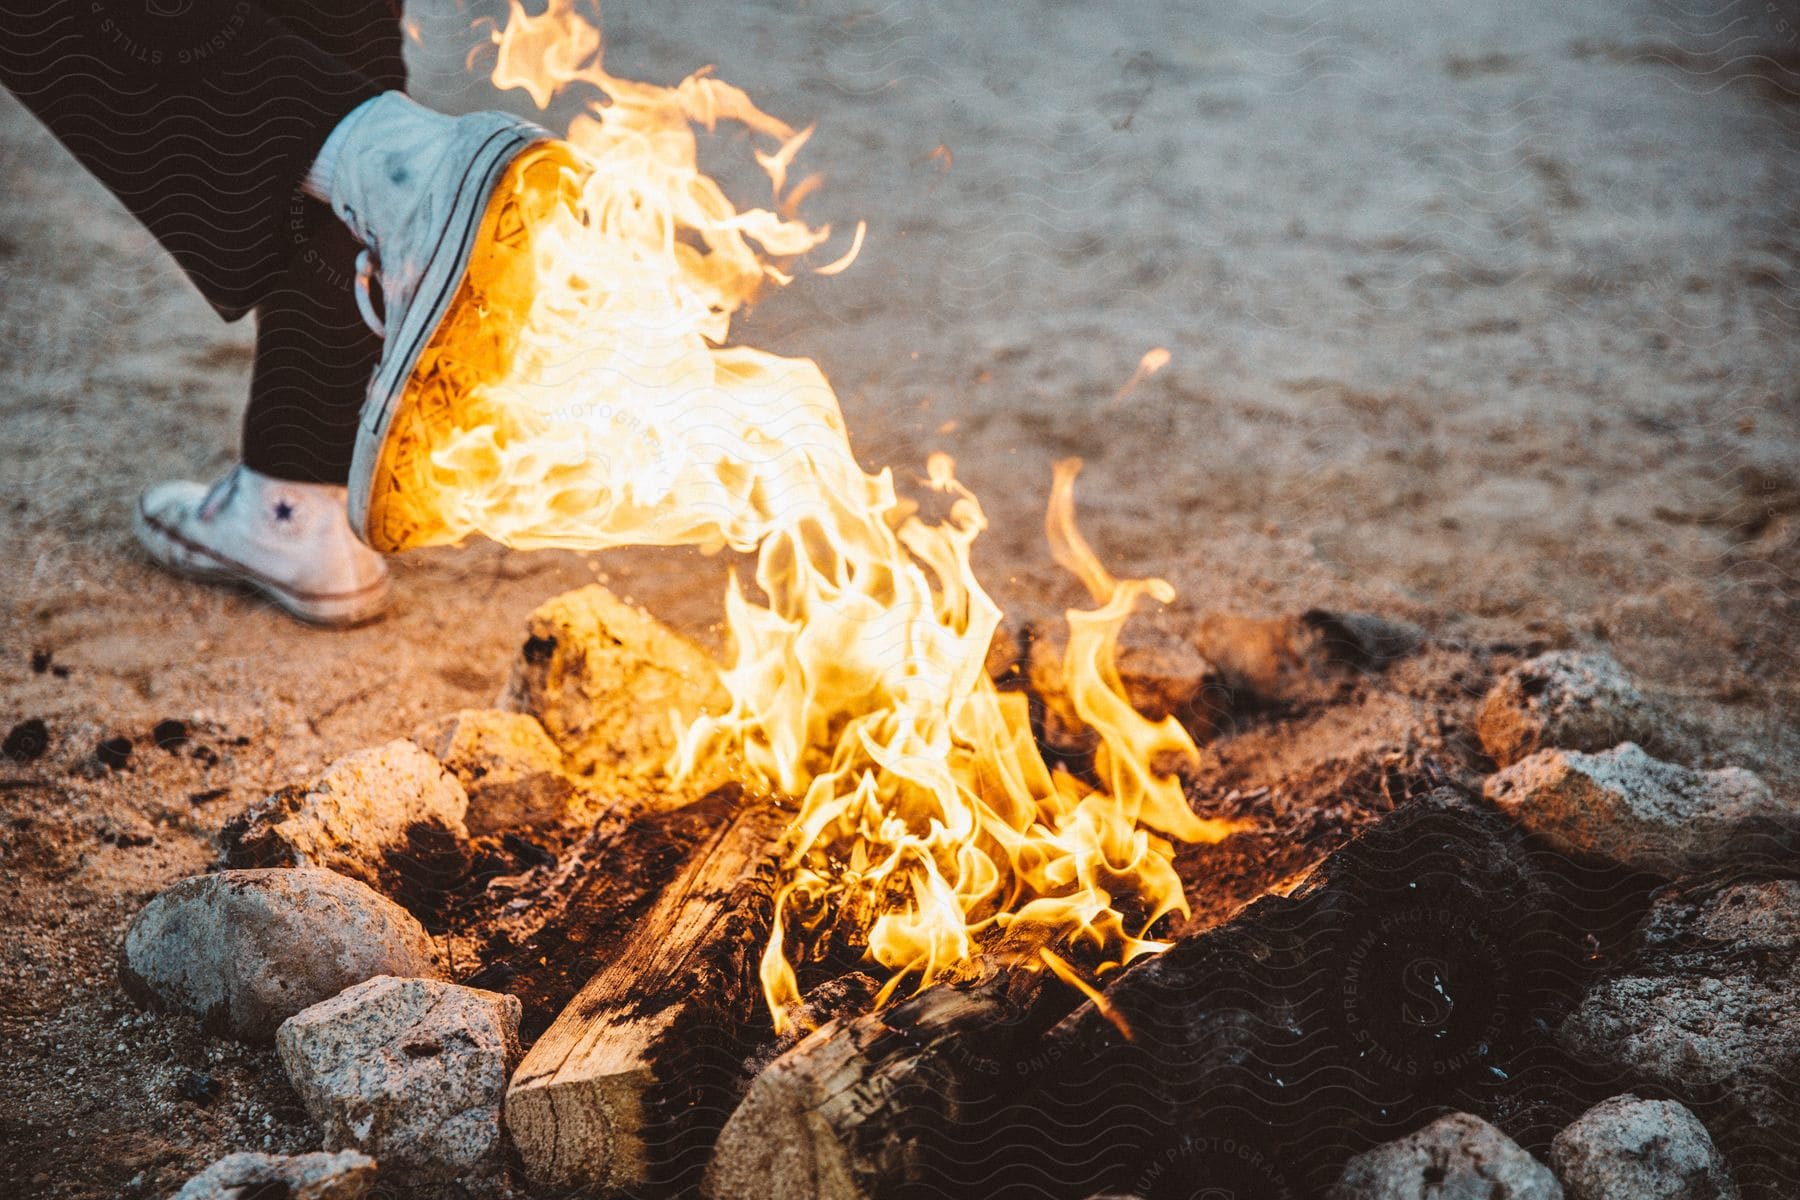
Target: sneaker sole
<point x="331" y="609"/>
<point x="418" y="389"/>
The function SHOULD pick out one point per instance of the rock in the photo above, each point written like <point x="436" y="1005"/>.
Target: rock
<point x="27" y="741"/>
<point x="113" y="753"/>
<point x="1564" y="700"/>
<point x="391" y="816"/>
<point x="1631" y="809"/>
<point x="410" y="1070"/>
<point x="245" y="950"/>
<point x="1631" y="1149"/>
<point x="1360" y="640"/>
<point x="603" y="678"/>
<point x="1458" y="1157"/>
<point x="1706" y="1003"/>
<point x="1288" y="663"/>
<point x="1258" y="657"/>
<point x="345" y="1175"/>
<point x="508" y="766"/>
<point x="171" y="734"/>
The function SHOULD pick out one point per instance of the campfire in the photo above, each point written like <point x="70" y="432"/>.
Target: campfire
<point x="606" y="407"/>
<point x="908" y="894"/>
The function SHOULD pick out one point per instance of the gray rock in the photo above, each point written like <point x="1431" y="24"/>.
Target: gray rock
<point x="508" y="766"/>
<point x="391" y="816"/>
<point x="1631" y="809"/>
<point x="412" y="1071"/>
<point x="245" y="950"/>
<point x="1564" y="700"/>
<point x="603" y="677"/>
<point x="1361" y="640"/>
<point x="1458" y="1157"/>
<point x="345" y="1175"/>
<point x="1631" y="1149"/>
<point x="1707" y="1002"/>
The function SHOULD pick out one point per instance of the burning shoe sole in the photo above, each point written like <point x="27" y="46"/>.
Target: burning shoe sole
<point x="447" y="207"/>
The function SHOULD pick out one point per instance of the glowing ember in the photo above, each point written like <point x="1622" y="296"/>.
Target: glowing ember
<point x="610" y="410"/>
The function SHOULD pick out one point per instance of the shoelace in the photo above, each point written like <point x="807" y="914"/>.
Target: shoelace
<point x="220" y="493"/>
<point x="365" y="304"/>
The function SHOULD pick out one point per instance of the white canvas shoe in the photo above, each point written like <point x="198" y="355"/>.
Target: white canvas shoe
<point x="445" y="206"/>
<point x="289" y="541"/>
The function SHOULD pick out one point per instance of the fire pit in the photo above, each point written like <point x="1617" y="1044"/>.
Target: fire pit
<point x="1379" y="945"/>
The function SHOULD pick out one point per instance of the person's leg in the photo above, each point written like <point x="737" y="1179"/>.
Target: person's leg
<point x="314" y="357"/>
<point x="201" y="116"/>
<point x="314" y="352"/>
<point x="205" y="118"/>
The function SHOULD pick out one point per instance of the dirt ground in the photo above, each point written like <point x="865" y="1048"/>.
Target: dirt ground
<point x="1480" y="316"/>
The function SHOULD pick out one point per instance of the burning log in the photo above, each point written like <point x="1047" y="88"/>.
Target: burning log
<point x="599" y="1100"/>
<point x="849" y="1107"/>
<point x="1416" y="970"/>
<point x="1307" y="1012"/>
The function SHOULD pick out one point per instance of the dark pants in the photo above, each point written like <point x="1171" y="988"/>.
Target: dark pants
<point x="202" y="117"/>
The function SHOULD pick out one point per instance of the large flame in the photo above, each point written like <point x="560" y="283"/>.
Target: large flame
<point x="620" y="415"/>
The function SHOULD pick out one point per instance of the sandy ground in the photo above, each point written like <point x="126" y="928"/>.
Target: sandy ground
<point x="1481" y="316"/>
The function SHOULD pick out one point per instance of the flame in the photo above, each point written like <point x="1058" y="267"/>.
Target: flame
<point x="1154" y="360"/>
<point x="619" y="414"/>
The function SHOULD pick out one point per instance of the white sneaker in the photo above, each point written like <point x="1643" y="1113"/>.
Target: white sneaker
<point x="290" y="541"/>
<point x="445" y="206"/>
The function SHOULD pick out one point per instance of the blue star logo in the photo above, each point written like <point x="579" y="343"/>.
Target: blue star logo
<point x="284" y="511"/>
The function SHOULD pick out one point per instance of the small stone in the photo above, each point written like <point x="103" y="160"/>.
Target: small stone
<point x="1287" y="663"/>
<point x="170" y="734"/>
<point x="27" y="740"/>
<point x="506" y="763"/>
<point x="1458" y="1157"/>
<point x="603" y="678"/>
<point x="1706" y="1000"/>
<point x="198" y="1087"/>
<point x="391" y="816"/>
<point x="1563" y="700"/>
<point x="1631" y="1149"/>
<point x="1629" y="808"/>
<point x="412" y="1071"/>
<point x="1362" y="641"/>
<point x="245" y="950"/>
<point x="345" y="1175"/>
<point x="114" y="753"/>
